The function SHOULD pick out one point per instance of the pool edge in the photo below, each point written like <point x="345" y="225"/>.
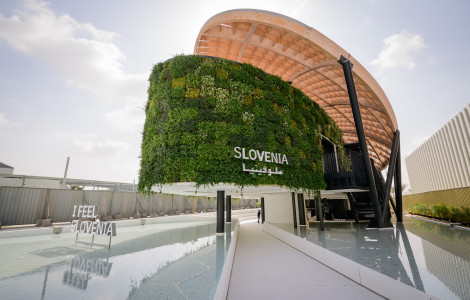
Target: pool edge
<point x="224" y="281"/>
<point x="381" y="284"/>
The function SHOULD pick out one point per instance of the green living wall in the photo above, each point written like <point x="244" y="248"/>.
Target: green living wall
<point x="200" y="108"/>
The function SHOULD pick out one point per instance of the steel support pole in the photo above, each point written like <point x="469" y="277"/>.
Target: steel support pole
<point x="390" y="174"/>
<point x="293" y="210"/>
<point x="300" y="203"/>
<point x="398" y="191"/>
<point x="348" y="75"/>
<point x="262" y="210"/>
<point x="228" y="208"/>
<point x="220" y="212"/>
<point x="353" y="207"/>
<point x="64" y="181"/>
<point x="320" y="211"/>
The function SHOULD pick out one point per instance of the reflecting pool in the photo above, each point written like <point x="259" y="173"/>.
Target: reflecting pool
<point x="431" y="257"/>
<point x="153" y="261"/>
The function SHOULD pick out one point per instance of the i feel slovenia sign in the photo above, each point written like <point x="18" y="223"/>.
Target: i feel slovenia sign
<point x="84" y="225"/>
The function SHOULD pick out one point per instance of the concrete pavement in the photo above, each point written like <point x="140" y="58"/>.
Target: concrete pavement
<point x="267" y="268"/>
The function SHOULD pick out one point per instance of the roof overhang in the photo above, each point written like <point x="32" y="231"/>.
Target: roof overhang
<point x="303" y="56"/>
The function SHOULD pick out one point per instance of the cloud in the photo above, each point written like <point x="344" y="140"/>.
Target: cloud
<point x="418" y="141"/>
<point x="399" y="51"/>
<point x="90" y="148"/>
<point x="129" y="117"/>
<point x="3" y="120"/>
<point x="84" y="54"/>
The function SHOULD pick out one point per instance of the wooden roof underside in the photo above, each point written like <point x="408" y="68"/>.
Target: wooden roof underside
<point x="309" y="60"/>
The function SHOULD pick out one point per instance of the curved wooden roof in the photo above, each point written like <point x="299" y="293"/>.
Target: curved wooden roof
<point x="303" y="56"/>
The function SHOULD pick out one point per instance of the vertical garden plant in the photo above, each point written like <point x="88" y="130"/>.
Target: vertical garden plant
<point x="200" y="108"/>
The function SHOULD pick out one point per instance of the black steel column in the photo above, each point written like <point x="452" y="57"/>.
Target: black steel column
<point x="293" y="210"/>
<point x="228" y="208"/>
<point x="353" y="207"/>
<point x="300" y="203"/>
<point x="262" y="210"/>
<point x="398" y="191"/>
<point x="320" y="211"/>
<point x="390" y="175"/>
<point x="220" y="212"/>
<point x="347" y="69"/>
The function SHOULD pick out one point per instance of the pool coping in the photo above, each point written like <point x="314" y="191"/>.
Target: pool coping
<point x="224" y="280"/>
<point x="449" y="224"/>
<point x="377" y="282"/>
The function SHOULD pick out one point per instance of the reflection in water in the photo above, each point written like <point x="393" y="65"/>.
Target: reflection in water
<point x="219" y="254"/>
<point x="78" y="270"/>
<point x="430" y="257"/>
<point x="44" y="284"/>
<point x="158" y="262"/>
<point x="76" y="280"/>
<point x="411" y="258"/>
<point x="86" y="265"/>
<point x="452" y="270"/>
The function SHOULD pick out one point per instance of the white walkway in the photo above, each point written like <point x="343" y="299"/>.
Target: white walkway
<point x="266" y="268"/>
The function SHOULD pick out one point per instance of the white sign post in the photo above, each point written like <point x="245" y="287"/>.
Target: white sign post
<point x="88" y="223"/>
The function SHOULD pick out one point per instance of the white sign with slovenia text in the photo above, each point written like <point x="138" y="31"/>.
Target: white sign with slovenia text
<point x="84" y="225"/>
<point x="263" y="156"/>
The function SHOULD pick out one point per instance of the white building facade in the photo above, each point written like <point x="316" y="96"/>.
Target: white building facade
<point x="443" y="161"/>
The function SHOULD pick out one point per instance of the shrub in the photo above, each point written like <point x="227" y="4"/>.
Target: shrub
<point x="453" y="214"/>
<point x="419" y="209"/>
<point x="440" y="211"/>
<point x="464" y="216"/>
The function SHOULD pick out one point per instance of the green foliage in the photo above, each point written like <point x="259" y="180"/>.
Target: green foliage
<point x="200" y="108"/>
<point x="420" y="209"/>
<point x="75" y="187"/>
<point x="440" y="211"/>
<point x="454" y="214"/>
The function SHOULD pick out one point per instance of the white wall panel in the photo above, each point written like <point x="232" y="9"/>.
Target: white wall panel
<point x="443" y="161"/>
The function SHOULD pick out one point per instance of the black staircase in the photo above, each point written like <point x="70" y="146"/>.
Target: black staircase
<point x="361" y="203"/>
<point x="362" y="174"/>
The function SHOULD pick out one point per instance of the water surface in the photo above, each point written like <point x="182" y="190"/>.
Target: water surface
<point x="155" y="261"/>
<point x="431" y="257"/>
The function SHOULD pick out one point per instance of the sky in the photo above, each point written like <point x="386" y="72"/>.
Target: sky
<point x="74" y="74"/>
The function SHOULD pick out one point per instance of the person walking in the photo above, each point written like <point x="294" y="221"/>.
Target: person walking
<point x="259" y="214"/>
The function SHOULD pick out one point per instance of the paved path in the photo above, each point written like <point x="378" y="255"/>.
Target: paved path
<point x="267" y="268"/>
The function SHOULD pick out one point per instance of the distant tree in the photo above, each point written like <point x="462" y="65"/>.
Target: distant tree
<point x="75" y="187"/>
<point x="403" y="187"/>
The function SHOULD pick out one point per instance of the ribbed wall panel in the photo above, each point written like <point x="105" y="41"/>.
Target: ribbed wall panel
<point x="438" y="157"/>
<point x="22" y="205"/>
<point x="61" y="204"/>
<point x="19" y="205"/>
<point x="453" y="155"/>
<point x="102" y="199"/>
<point x="443" y="161"/>
<point x="116" y="204"/>
<point x="128" y="204"/>
<point x="451" y="167"/>
<point x="464" y="145"/>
